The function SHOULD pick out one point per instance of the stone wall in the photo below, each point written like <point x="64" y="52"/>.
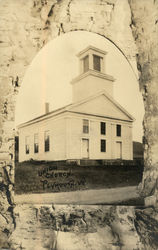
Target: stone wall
<point x="25" y="27"/>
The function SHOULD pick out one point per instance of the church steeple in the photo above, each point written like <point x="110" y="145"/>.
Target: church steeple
<point x="92" y="58"/>
<point x="92" y="77"/>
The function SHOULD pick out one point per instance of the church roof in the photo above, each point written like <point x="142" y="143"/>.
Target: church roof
<point x="45" y="116"/>
<point x="70" y="107"/>
<point x="110" y="98"/>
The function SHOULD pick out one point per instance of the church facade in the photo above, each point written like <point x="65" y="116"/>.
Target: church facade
<point x="93" y="127"/>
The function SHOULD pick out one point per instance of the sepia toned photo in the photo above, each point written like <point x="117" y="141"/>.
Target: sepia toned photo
<point x="79" y="125"/>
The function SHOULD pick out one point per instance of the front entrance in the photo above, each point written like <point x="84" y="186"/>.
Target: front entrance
<point x="85" y="148"/>
<point x="118" y="150"/>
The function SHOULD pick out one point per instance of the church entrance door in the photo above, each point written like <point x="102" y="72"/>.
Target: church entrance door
<point x="85" y="148"/>
<point x="118" y="150"/>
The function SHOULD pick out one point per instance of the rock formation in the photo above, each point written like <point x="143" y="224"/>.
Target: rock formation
<point x="25" y="27"/>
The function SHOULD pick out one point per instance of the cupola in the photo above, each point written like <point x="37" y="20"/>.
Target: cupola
<point x="92" y="58"/>
<point x="92" y="77"/>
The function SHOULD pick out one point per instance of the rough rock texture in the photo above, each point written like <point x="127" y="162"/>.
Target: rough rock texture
<point x="145" y="31"/>
<point x="25" y="26"/>
<point x="75" y="227"/>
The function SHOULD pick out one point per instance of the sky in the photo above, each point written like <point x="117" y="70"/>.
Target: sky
<point x="48" y="78"/>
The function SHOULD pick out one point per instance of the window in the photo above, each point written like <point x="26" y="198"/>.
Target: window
<point x="103" y="145"/>
<point x="27" y="146"/>
<point x="103" y="128"/>
<point x="85" y="126"/>
<point x="118" y="130"/>
<point x="86" y="64"/>
<point x="36" y="145"/>
<point x="46" y="141"/>
<point x="97" y="62"/>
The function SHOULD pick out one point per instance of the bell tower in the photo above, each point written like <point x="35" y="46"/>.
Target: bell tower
<point x="92" y="77"/>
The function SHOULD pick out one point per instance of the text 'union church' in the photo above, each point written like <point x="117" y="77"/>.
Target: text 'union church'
<point x="94" y="126"/>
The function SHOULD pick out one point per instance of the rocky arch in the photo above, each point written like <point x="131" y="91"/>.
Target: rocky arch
<point x="24" y="32"/>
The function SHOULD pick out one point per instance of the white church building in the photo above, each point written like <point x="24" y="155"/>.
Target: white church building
<point x="93" y="127"/>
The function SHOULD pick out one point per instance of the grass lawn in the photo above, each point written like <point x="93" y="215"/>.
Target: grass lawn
<point x="44" y="177"/>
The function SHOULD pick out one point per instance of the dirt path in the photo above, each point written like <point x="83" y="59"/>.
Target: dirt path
<point x="105" y="196"/>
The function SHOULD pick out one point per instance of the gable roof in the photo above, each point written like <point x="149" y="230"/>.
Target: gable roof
<point x="70" y="108"/>
<point x="45" y="116"/>
<point x="110" y="98"/>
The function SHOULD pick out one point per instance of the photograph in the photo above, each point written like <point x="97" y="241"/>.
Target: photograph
<point x="78" y="127"/>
